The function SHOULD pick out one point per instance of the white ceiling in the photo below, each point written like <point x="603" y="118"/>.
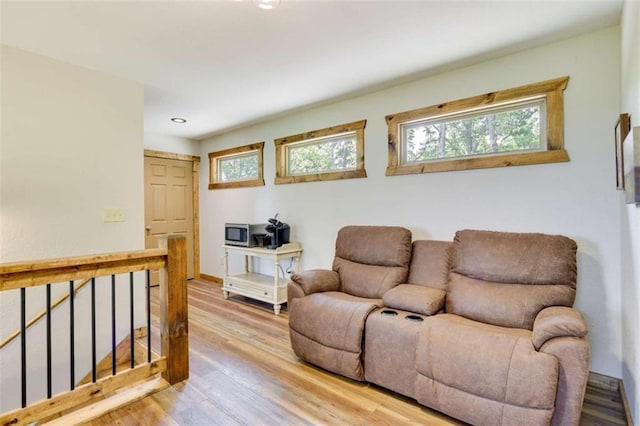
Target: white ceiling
<point x="224" y="64"/>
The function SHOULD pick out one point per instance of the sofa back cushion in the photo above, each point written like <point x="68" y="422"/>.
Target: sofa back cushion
<point x="372" y="259"/>
<point x="430" y="260"/>
<point x="506" y="278"/>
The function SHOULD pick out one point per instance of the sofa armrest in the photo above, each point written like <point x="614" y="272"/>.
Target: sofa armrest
<point x="561" y="331"/>
<point x="415" y="298"/>
<point x="317" y="281"/>
<point x="557" y="321"/>
<point x="573" y="354"/>
<point x="294" y="291"/>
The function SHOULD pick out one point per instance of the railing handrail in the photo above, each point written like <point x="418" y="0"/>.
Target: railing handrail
<point x="33" y="273"/>
<point x="173" y="363"/>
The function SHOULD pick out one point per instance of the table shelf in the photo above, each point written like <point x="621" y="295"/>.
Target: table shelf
<point x="266" y="288"/>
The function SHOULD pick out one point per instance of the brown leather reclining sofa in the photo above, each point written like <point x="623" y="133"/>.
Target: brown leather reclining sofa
<point x="481" y="328"/>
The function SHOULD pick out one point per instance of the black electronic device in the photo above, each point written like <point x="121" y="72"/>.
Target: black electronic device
<point x="278" y="232"/>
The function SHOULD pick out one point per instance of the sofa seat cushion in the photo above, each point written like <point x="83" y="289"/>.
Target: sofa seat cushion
<point x="327" y="330"/>
<point x="415" y="298"/>
<point x="484" y="374"/>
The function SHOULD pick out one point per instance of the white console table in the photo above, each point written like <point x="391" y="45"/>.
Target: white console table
<point x="270" y="289"/>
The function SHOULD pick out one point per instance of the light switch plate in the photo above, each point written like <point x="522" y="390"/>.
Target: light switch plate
<point x="114" y="215"/>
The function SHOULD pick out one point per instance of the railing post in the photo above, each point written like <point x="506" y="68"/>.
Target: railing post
<point x="174" y="334"/>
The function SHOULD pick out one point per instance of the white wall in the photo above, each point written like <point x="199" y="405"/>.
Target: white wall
<point x="630" y="224"/>
<point x="171" y="144"/>
<point x="577" y="198"/>
<point x="71" y="145"/>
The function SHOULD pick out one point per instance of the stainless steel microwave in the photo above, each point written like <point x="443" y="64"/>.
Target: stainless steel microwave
<point x="245" y="234"/>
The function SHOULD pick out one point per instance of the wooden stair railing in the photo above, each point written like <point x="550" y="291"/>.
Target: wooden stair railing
<point x="95" y="409"/>
<point x="42" y="313"/>
<point x="173" y="363"/>
<point x="122" y="356"/>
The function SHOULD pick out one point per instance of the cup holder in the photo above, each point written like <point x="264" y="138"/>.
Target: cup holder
<point x="414" y="318"/>
<point x="389" y="312"/>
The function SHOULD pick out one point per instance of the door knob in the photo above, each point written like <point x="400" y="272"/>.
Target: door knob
<point x="148" y="228"/>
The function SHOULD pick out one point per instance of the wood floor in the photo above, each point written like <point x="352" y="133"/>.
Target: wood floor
<point x="243" y="371"/>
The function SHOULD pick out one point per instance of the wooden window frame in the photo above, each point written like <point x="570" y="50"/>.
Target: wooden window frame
<point x="551" y="90"/>
<point x="258" y="147"/>
<point x="281" y="144"/>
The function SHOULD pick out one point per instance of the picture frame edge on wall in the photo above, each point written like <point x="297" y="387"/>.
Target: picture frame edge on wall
<point x="621" y="130"/>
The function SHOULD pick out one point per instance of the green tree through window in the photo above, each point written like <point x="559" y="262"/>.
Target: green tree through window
<point x="238" y="167"/>
<point x="507" y="131"/>
<point x="329" y="154"/>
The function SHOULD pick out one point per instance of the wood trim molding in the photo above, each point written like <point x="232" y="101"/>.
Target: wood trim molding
<point x="316" y="177"/>
<point x="603" y="382"/>
<point x="625" y="404"/>
<point x="328" y="131"/>
<point x="196" y="218"/>
<point x="170" y="155"/>
<point x="502" y="160"/>
<point x="258" y="147"/>
<point x="237" y="150"/>
<point x="238" y="184"/>
<point x="558" y="84"/>
<point x="614" y="384"/>
<point x="195" y="174"/>
<point x="551" y="90"/>
<point x="212" y="278"/>
<point x="282" y="176"/>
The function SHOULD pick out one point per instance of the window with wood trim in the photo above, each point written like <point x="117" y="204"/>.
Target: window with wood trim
<point x="327" y="154"/>
<point x="236" y="167"/>
<point x="512" y="127"/>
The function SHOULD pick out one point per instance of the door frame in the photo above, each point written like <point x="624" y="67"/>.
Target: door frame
<point x="195" y="161"/>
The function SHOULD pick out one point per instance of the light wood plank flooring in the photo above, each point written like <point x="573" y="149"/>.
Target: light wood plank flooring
<point x="243" y="371"/>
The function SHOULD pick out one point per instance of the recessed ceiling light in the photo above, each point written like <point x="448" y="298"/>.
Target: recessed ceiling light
<point x="267" y="4"/>
<point x="178" y="120"/>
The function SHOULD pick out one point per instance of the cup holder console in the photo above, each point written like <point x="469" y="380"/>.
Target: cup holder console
<point x="393" y="313"/>
<point x="414" y="318"/>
